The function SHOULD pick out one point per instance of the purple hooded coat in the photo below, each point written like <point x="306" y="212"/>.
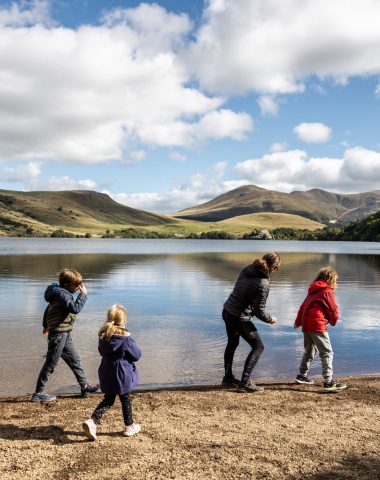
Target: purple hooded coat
<point x="117" y="371"/>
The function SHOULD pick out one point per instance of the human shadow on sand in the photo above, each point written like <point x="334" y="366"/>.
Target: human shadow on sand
<point x="49" y="433"/>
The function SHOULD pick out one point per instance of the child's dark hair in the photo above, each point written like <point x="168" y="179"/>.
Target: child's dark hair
<point x="269" y="263"/>
<point x="69" y="276"/>
<point x="329" y="275"/>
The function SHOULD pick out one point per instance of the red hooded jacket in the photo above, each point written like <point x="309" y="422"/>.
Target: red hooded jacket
<point x="318" y="309"/>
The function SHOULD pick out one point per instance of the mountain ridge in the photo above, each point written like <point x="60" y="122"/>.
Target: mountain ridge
<point x="315" y="204"/>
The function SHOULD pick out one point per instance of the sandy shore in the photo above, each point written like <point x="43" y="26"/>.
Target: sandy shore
<point x="287" y="432"/>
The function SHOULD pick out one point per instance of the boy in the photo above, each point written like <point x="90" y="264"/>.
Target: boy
<point x="318" y="309"/>
<point x="58" y="321"/>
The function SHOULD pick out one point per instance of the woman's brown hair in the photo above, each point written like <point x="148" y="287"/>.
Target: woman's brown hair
<point x="269" y="263"/>
<point x="329" y="275"/>
<point x="116" y="320"/>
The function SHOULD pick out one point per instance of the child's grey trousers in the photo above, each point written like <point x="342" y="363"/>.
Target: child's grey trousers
<point x="313" y="342"/>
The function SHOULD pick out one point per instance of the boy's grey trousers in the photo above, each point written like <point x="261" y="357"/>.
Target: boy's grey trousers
<point x="313" y="342"/>
<point x="60" y="345"/>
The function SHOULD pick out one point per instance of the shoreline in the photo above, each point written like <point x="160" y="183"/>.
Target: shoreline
<point x="289" y="431"/>
<point x="64" y="392"/>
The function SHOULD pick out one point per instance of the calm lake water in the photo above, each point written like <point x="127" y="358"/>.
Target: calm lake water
<point x="174" y="291"/>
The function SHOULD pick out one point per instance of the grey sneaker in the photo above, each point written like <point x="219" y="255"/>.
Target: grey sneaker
<point x="132" y="430"/>
<point x="304" y="379"/>
<point x="89" y="429"/>
<point x="249" y="386"/>
<point x="43" y="397"/>
<point x="334" y="386"/>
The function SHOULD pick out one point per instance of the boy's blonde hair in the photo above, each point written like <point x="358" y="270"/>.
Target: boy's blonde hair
<point x="69" y="276"/>
<point x="329" y="275"/>
<point x="116" y="320"/>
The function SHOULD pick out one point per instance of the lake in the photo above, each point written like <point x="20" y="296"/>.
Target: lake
<point x="174" y="291"/>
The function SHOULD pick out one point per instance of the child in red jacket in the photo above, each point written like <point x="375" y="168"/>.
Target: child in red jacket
<point x="318" y="309"/>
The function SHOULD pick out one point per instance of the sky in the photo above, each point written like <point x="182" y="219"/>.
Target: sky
<point x="164" y="105"/>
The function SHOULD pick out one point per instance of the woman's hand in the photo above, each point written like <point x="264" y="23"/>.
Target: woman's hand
<point x="274" y="320"/>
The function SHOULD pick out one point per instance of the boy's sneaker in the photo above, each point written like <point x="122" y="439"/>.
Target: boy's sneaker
<point x="132" y="430"/>
<point x="230" y="382"/>
<point x="43" y="397"/>
<point x="89" y="429"/>
<point x="89" y="389"/>
<point x="249" y="386"/>
<point x="304" y="379"/>
<point x="333" y="386"/>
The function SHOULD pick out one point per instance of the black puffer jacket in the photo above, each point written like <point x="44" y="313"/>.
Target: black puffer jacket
<point x="249" y="295"/>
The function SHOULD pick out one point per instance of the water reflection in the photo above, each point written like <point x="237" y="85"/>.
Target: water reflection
<point x="174" y="303"/>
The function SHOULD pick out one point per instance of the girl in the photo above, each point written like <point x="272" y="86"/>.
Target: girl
<point x="318" y="309"/>
<point x="117" y="372"/>
<point x="248" y="299"/>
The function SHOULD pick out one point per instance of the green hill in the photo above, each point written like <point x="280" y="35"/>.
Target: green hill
<point x="75" y="211"/>
<point x="315" y="204"/>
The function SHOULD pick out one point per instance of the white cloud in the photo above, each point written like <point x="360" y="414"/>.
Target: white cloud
<point x="135" y="156"/>
<point x="278" y="147"/>
<point x="273" y="47"/>
<point x="22" y="173"/>
<point x="199" y="188"/>
<point x="63" y="183"/>
<point x="177" y="156"/>
<point x="358" y="170"/>
<point x="85" y="95"/>
<point x="268" y="105"/>
<point x="26" y="13"/>
<point x="377" y="91"/>
<point x="313" y="132"/>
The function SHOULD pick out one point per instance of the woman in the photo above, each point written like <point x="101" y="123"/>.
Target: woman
<point x="248" y="299"/>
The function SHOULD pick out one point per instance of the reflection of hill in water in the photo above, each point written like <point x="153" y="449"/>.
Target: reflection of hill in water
<point x="296" y="267"/>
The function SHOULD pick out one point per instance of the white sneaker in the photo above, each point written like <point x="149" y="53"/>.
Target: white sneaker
<point x="89" y="429"/>
<point x="132" y="430"/>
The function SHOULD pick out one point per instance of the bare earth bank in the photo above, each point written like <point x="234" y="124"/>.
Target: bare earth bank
<point x="288" y="432"/>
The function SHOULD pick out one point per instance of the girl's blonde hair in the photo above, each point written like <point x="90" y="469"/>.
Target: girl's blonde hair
<point x="269" y="263"/>
<point x="116" y="321"/>
<point x="329" y="275"/>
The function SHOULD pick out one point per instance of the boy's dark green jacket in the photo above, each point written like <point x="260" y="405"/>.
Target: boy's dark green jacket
<point x="60" y="314"/>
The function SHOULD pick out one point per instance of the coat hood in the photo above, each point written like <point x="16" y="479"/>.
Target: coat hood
<point x="251" y="272"/>
<point x="52" y="291"/>
<point x="318" y="285"/>
<point x="110" y="346"/>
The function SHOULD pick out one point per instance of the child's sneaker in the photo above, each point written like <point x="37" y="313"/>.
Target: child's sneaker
<point x="304" y="379"/>
<point x="230" y="381"/>
<point x="89" y="429"/>
<point x="249" y="386"/>
<point x="43" y="397"/>
<point x="89" y="389"/>
<point x="333" y="386"/>
<point x="132" y="430"/>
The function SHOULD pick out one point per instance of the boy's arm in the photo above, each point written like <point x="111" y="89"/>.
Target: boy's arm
<point x="298" y="321"/>
<point x="332" y="308"/>
<point x="45" y="330"/>
<point x="65" y="300"/>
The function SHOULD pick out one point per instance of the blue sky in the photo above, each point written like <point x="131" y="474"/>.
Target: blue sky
<point x="164" y="105"/>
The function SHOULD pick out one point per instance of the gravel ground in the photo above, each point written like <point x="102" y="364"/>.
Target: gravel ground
<point x="287" y="432"/>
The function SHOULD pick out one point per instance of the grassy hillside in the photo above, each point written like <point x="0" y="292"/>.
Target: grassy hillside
<point x="75" y="211"/>
<point x="315" y="204"/>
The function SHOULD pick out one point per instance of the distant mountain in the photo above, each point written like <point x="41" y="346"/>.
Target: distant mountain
<point x="73" y="209"/>
<point x="315" y="204"/>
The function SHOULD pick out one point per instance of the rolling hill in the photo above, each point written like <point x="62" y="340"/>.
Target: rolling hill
<point x="75" y="210"/>
<point x="316" y="204"/>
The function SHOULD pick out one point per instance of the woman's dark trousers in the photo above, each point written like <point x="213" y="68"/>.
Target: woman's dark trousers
<point x="236" y="328"/>
<point x="106" y="404"/>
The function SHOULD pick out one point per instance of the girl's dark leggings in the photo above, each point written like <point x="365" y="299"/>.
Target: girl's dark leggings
<point x="108" y="401"/>
<point x="237" y="328"/>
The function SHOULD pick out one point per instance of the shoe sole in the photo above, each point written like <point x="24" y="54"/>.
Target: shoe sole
<point x="339" y="389"/>
<point x="87" y="432"/>
<point x="301" y="382"/>
<point x="130" y="434"/>
<point x="44" y="401"/>
<point x="246" y="390"/>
